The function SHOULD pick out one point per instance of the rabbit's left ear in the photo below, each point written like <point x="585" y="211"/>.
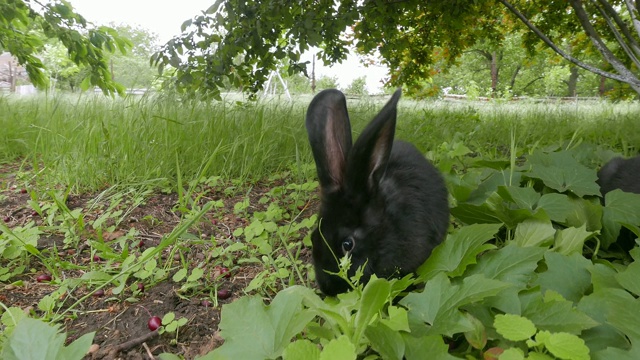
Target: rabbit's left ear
<point x="370" y="154"/>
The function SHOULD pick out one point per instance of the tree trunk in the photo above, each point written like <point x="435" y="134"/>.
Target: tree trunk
<point x="573" y="81"/>
<point x="512" y="83"/>
<point x="313" y="74"/>
<point x="494" y="72"/>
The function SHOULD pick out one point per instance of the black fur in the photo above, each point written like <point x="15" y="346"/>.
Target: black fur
<point x="623" y="174"/>
<point x="383" y="195"/>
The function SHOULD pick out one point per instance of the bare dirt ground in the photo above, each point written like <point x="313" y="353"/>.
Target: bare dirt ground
<point x="121" y="325"/>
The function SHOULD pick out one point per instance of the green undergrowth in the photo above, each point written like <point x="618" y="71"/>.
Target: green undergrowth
<point x="89" y="143"/>
<point x="531" y="267"/>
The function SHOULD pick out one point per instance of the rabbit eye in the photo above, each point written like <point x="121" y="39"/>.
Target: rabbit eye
<point x="347" y="244"/>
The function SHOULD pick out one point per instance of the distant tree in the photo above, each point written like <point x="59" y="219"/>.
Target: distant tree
<point x="298" y="84"/>
<point x="326" y="82"/>
<point x="358" y="86"/>
<point x="133" y="69"/>
<point x="24" y="26"/>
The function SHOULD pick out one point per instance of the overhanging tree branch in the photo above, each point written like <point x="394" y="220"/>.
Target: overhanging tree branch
<point x="627" y="48"/>
<point x="631" y="80"/>
<point x="633" y="13"/>
<point x="610" y="12"/>
<point x="628" y="76"/>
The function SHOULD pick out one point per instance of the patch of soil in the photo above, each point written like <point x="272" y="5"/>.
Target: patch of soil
<point x="121" y="323"/>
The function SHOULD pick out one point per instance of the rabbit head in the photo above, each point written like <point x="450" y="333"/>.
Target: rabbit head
<point x="382" y="202"/>
<point x="619" y="173"/>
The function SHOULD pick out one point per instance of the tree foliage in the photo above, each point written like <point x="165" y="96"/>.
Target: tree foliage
<point x="243" y="40"/>
<point x="25" y="25"/>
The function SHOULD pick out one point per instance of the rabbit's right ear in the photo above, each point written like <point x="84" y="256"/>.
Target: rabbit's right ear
<point x="329" y="133"/>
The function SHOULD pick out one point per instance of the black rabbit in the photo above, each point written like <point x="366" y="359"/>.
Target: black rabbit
<point x="382" y="202"/>
<point x="619" y="173"/>
<point x="623" y="174"/>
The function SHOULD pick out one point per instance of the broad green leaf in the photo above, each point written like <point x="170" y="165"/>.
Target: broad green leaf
<point x="438" y="304"/>
<point x="477" y="337"/>
<point x="514" y="327"/>
<point x="600" y="305"/>
<point x="301" y="349"/>
<point x="387" y="342"/>
<point x="534" y="232"/>
<point x="571" y="240"/>
<point x="556" y="315"/>
<point x="572" y="211"/>
<point x="19" y="345"/>
<point x="561" y="172"/>
<point x="512" y="354"/>
<point x="524" y="197"/>
<point x="475" y="214"/>
<point x="567" y="346"/>
<point x="339" y="349"/>
<point x="512" y="264"/>
<point x="490" y="185"/>
<point x="567" y="275"/>
<point x="458" y="251"/>
<point x="508" y="213"/>
<point x="603" y="276"/>
<point x="538" y="356"/>
<point x="253" y="330"/>
<point x="630" y="277"/>
<point x="622" y="311"/>
<point x="398" y="319"/>
<point x="617" y="354"/>
<point x="374" y="296"/>
<point x="79" y="348"/>
<point x="417" y="347"/>
<point x="621" y="208"/>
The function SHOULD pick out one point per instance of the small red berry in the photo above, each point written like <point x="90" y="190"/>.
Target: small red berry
<point x="224" y="294"/>
<point x="23" y="191"/>
<point x="141" y="287"/>
<point x="154" y="323"/>
<point x="98" y="293"/>
<point x="225" y="272"/>
<point x="43" y="278"/>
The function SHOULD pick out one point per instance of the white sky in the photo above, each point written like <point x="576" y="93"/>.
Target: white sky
<point x="165" y="19"/>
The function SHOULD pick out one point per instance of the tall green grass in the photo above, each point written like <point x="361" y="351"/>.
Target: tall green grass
<point x="90" y="142"/>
